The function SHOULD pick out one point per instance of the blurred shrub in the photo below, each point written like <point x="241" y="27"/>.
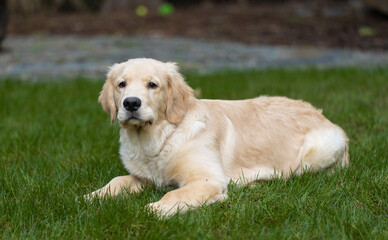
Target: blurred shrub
<point x="3" y="21"/>
<point x="36" y="6"/>
<point x="94" y="5"/>
<point x="179" y="3"/>
<point x="192" y="2"/>
<point x="129" y="5"/>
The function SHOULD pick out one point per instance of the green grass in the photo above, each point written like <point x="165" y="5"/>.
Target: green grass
<point x="56" y="144"/>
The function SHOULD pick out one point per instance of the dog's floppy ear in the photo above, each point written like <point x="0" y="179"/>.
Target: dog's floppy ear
<point x="179" y="96"/>
<point x="106" y="97"/>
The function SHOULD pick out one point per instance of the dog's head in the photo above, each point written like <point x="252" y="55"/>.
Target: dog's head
<point x="140" y="92"/>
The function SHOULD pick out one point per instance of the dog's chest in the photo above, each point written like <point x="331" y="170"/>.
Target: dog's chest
<point x="146" y="155"/>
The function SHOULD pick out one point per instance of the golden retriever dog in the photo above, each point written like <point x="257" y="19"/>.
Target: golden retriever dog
<point x="168" y="136"/>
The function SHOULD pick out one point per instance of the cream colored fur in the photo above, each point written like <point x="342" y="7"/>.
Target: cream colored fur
<point x="202" y="145"/>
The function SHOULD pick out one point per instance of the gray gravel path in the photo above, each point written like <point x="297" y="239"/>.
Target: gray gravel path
<point x="35" y="57"/>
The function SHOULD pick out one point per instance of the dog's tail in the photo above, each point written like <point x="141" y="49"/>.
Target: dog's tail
<point x="324" y="148"/>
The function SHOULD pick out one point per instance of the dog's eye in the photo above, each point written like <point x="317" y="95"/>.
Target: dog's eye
<point x="122" y="84"/>
<point x="152" y="85"/>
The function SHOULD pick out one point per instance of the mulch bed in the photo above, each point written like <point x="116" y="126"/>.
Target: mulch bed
<point x="264" y="23"/>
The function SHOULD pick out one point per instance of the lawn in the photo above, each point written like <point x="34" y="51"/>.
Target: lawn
<point x="56" y="144"/>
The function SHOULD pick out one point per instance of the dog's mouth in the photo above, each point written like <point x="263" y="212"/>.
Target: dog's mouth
<point x="137" y="121"/>
<point x="133" y="118"/>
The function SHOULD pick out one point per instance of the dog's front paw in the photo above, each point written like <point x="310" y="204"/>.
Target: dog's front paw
<point x="167" y="209"/>
<point x="93" y="195"/>
<point x="85" y="198"/>
<point x="88" y="197"/>
<point x="160" y="209"/>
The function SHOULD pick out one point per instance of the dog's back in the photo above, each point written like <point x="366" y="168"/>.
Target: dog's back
<point x="275" y="135"/>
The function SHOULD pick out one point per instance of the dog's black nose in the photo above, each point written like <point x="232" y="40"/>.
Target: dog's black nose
<point x="132" y="103"/>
